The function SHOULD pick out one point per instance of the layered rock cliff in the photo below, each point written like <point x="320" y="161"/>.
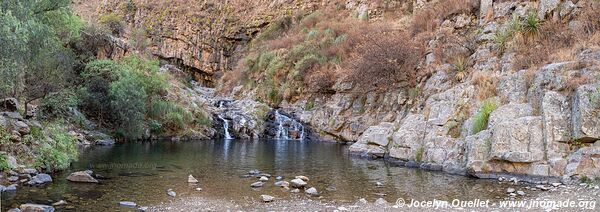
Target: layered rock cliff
<point x="522" y="100"/>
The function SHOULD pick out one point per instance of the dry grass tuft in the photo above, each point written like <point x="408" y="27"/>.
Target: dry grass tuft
<point x="485" y="84"/>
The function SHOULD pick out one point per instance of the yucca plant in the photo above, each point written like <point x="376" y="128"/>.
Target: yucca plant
<point x="531" y="26"/>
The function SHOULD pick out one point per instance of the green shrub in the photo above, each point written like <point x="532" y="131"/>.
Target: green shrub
<point x="59" y="104"/>
<point x="309" y="105"/>
<point x="105" y="69"/>
<point x="276" y="28"/>
<point x="170" y="114"/>
<point x="419" y="154"/>
<point x="58" y="152"/>
<point x="4" y="166"/>
<point x="480" y="120"/>
<point x="531" y="25"/>
<point x="128" y="105"/>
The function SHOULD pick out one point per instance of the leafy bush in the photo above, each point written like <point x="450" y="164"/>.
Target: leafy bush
<point x="480" y="120"/>
<point x="128" y="105"/>
<point x="4" y="166"/>
<point x="170" y="115"/>
<point x="59" y="104"/>
<point x="58" y="152"/>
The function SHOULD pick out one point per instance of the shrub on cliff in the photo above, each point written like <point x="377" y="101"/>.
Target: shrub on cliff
<point x="480" y="120"/>
<point x="58" y="152"/>
<point x="386" y="61"/>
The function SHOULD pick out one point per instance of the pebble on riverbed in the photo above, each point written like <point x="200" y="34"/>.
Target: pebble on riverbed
<point x="510" y="190"/>
<point x="191" y="179"/>
<point x="303" y="178"/>
<point x="312" y="191"/>
<point x="264" y="179"/>
<point x="298" y="183"/>
<point x="127" y="204"/>
<point x="267" y="198"/>
<point x="171" y="193"/>
<point x="257" y="184"/>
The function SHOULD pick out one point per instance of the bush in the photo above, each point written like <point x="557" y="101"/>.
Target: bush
<point x="386" y="61"/>
<point x="170" y="115"/>
<point x="58" y="152"/>
<point x="59" y="104"/>
<point x="431" y="17"/>
<point x="480" y="120"/>
<point x="128" y="105"/>
<point x="4" y="166"/>
<point x="113" y="22"/>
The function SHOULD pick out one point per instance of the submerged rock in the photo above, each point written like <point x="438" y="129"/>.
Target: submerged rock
<point x="267" y="198"/>
<point x="36" y="208"/>
<point x="82" y="177"/>
<point x="40" y="179"/>
<point x="191" y="179"/>
<point x="105" y="142"/>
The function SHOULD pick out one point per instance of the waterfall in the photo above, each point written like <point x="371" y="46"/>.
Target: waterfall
<point x="226" y="127"/>
<point x="285" y="125"/>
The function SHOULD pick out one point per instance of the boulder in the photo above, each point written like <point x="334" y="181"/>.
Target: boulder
<point x="374" y="141"/>
<point x="585" y="113"/>
<point x="546" y="7"/>
<point x="82" y="177"/>
<point x="509" y="112"/>
<point x="40" y="179"/>
<point x="298" y="183"/>
<point x="408" y="138"/>
<point x="105" y="142"/>
<point x="36" y="208"/>
<point x="9" y="105"/>
<point x="191" y="179"/>
<point x="30" y="171"/>
<point x="10" y="188"/>
<point x="21" y="127"/>
<point x="520" y="140"/>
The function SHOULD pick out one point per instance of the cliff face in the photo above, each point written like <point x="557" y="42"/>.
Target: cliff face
<point x="206" y="37"/>
<point x="505" y="92"/>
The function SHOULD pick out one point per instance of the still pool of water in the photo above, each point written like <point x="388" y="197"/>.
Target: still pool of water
<point x="142" y="172"/>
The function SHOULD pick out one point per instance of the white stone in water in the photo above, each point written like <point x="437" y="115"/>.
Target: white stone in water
<point x="521" y="193"/>
<point x="263" y="178"/>
<point x="267" y="198"/>
<point x="198" y="189"/>
<point x="556" y="184"/>
<point x="379" y="184"/>
<point x="127" y="204"/>
<point x="342" y="208"/>
<point x="510" y="190"/>
<point x="295" y="191"/>
<point x="191" y="179"/>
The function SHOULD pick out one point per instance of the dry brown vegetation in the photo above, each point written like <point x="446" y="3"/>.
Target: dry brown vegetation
<point x="485" y="84"/>
<point x="387" y="60"/>
<point x="431" y="17"/>
<point x="557" y="41"/>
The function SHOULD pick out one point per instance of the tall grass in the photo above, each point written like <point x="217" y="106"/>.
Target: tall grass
<point x="480" y="120"/>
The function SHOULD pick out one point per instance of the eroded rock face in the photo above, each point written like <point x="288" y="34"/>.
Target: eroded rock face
<point x="520" y="140"/>
<point x="408" y="139"/>
<point x="374" y="141"/>
<point x="585" y="115"/>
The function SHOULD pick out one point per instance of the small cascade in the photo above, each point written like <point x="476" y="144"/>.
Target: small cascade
<point x="288" y="128"/>
<point x="223" y="104"/>
<point x="225" y="127"/>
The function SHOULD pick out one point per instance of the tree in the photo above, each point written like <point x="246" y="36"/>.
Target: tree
<point x="128" y="104"/>
<point x="34" y="58"/>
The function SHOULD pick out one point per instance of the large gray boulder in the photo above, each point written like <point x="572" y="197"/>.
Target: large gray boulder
<point x="509" y="112"/>
<point x="585" y="114"/>
<point x="374" y="140"/>
<point x="40" y="179"/>
<point x="82" y="177"/>
<point x="520" y="140"/>
<point x="409" y="137"/>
